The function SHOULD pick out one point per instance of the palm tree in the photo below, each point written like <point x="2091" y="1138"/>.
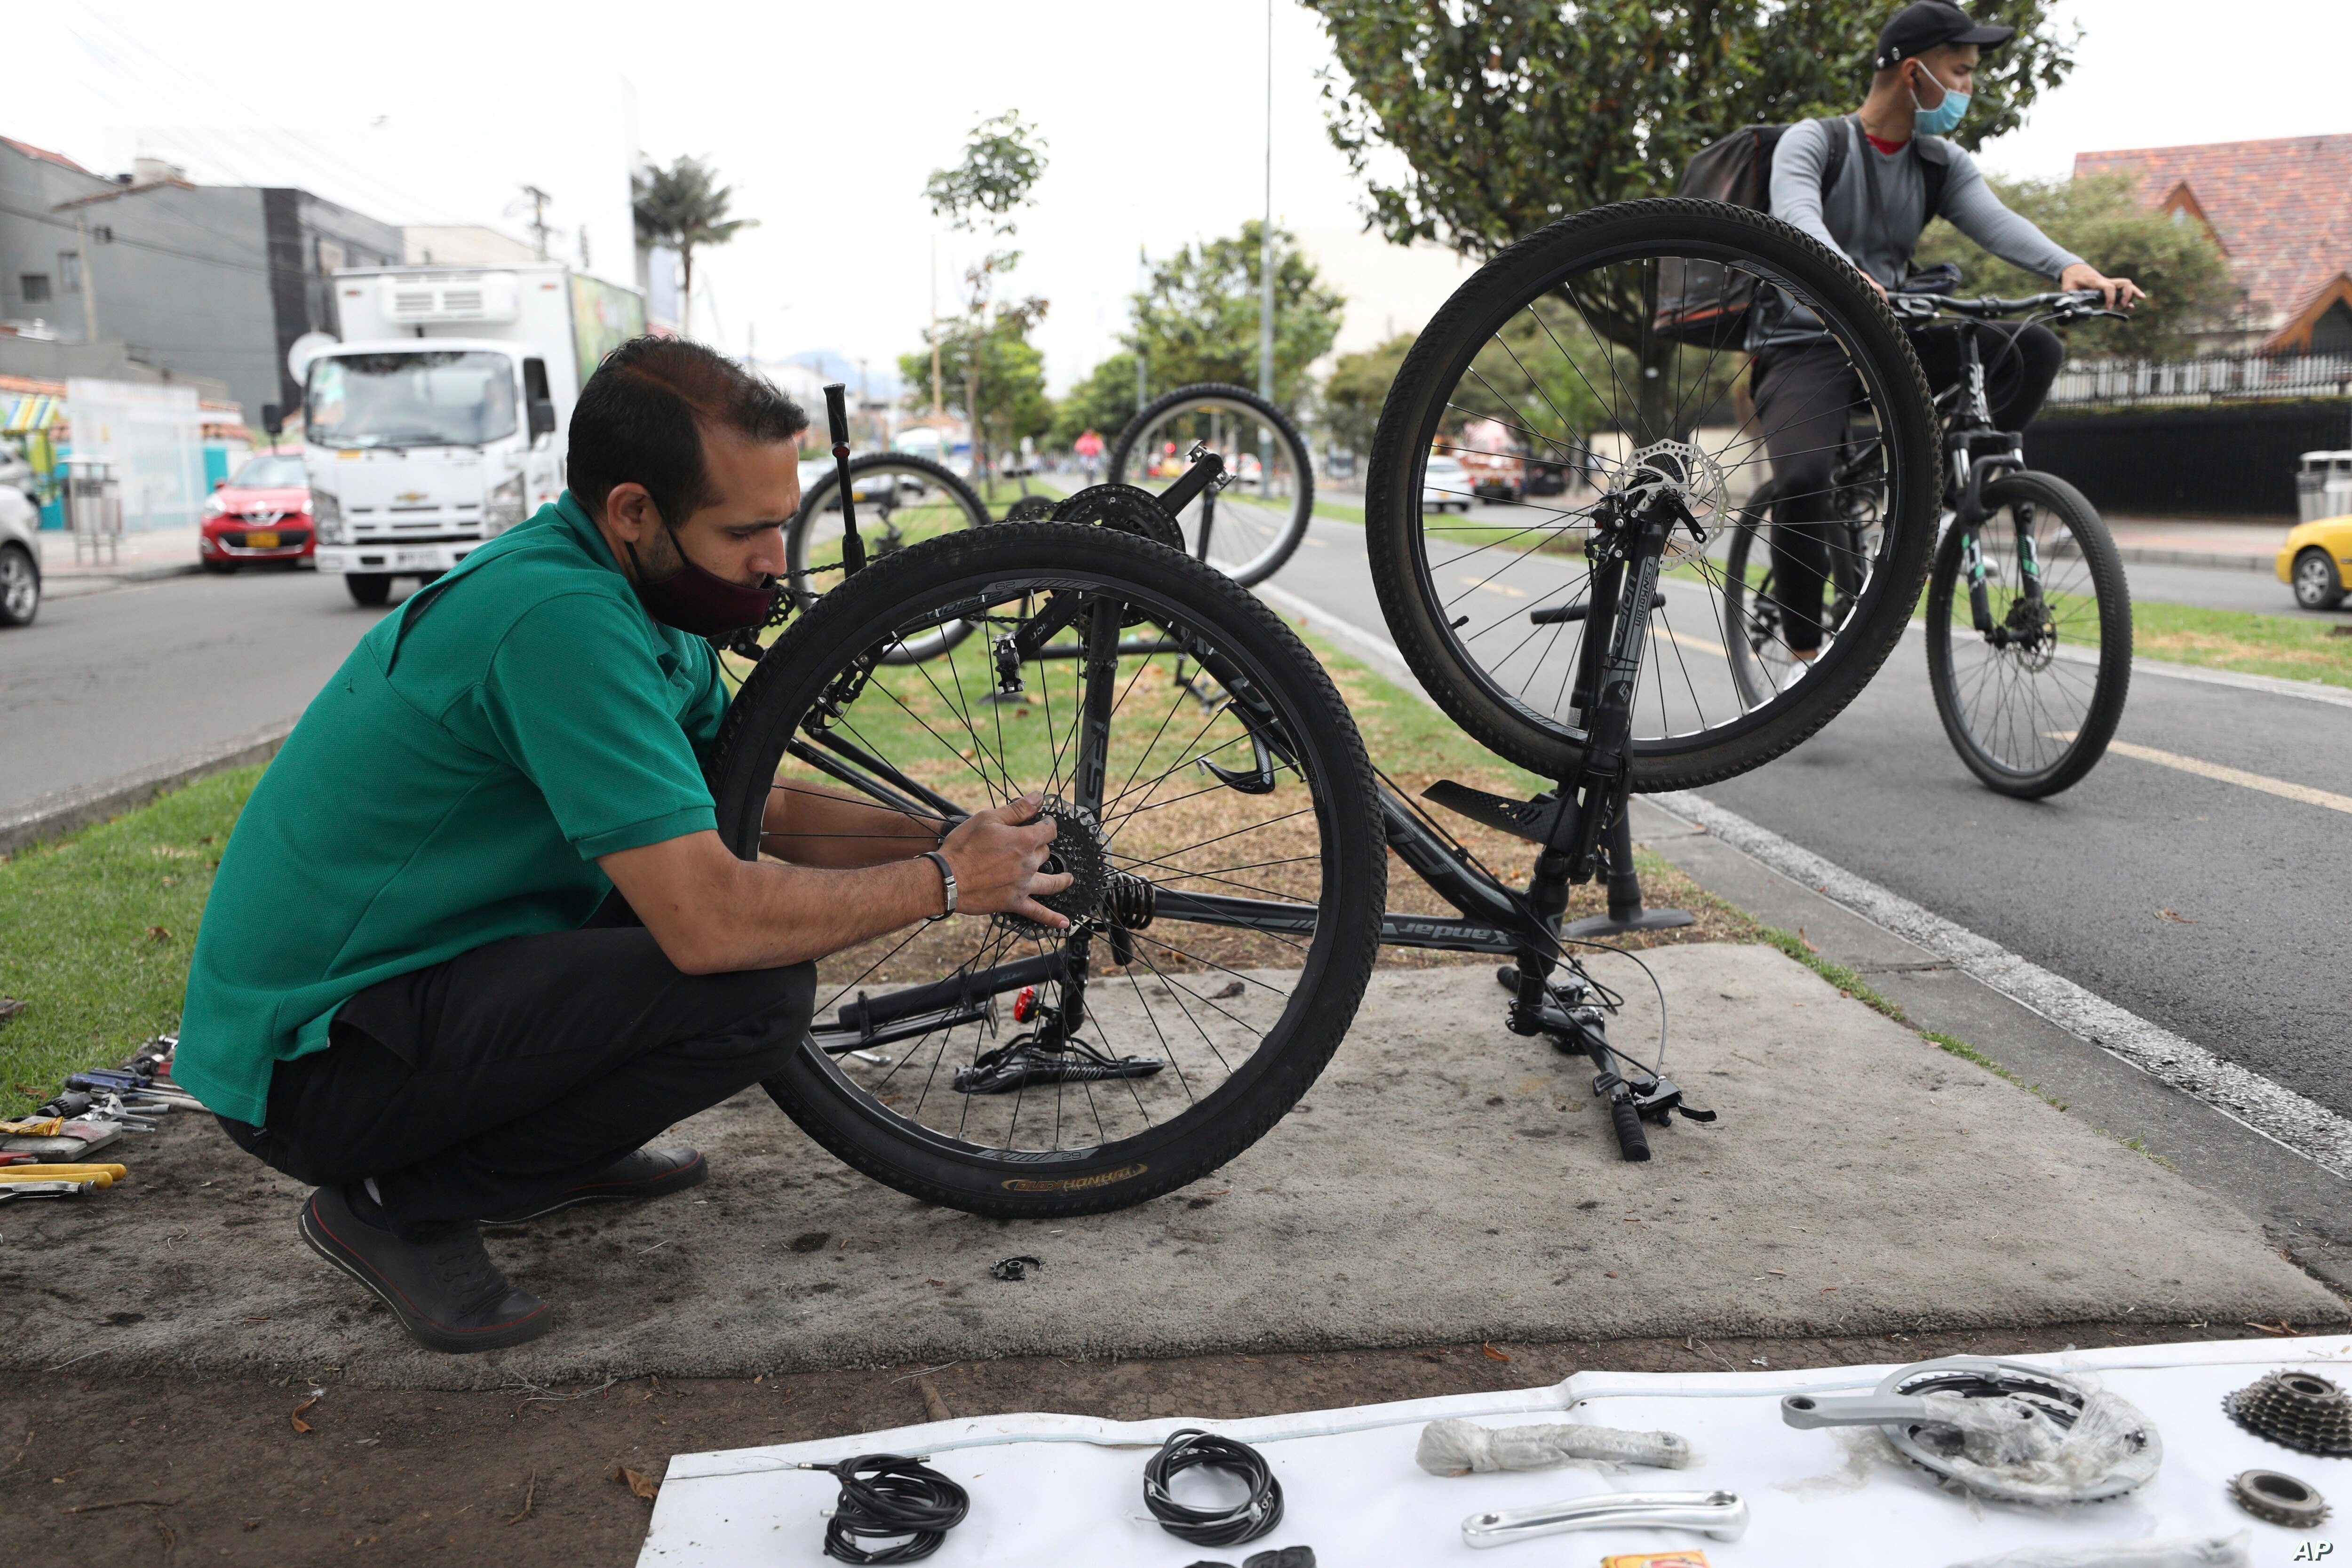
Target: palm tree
<point x="684" y="207"/>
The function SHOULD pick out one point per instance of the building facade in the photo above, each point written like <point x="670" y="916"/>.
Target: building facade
<point x="212" y="281"/>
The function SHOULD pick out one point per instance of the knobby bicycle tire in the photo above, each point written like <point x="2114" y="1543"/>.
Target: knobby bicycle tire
<point x="1286" y="543"/>
<point x="1409" y="418"/>
<point x="960" y="572"/>
<point x="2093" y="725"/>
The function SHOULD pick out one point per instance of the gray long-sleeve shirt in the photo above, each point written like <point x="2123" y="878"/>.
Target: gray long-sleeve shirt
<point x="1879" y="236"/>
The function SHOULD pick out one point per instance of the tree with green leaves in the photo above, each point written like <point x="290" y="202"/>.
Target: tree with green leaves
<point x="2187" y="278"/>
<point x="1003" y="159"/>
<point x="1003" y="375"/>
<point x="1505" y="117"/>
<point x="1354" y="391"/>
<point x="684" y="207"/>
<point x="1197" y="318"/>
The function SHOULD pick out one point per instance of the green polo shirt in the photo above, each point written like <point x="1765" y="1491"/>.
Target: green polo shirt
<point x="453" y="784"/>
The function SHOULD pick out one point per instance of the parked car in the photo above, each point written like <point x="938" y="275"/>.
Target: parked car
<point x="2316" y="562"/>
<point x="20" y="559"/>
<point x="262" y="512"/>
<point x="1445" y="483"/>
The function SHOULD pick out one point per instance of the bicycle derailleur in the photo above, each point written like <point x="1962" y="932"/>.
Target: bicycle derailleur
<point x="1099" y="900"/>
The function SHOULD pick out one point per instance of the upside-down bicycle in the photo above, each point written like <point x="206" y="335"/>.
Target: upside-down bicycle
<point x="1227" y="836"/>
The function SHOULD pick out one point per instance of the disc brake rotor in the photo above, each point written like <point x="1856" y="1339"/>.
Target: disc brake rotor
<point x="1690" y="472"/>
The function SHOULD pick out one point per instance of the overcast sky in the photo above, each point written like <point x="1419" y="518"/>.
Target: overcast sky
<point x="827" y="119"/>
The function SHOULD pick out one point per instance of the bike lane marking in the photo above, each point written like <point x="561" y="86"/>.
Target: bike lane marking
<point x="2278" y="1113"/>
<point x="2204" y="769"/>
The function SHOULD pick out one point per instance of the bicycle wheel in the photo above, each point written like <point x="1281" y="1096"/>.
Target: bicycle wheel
<point x="2032" y="705"/>
<point x="1253" y="525"/>
<point x="901" y="500"/>
<point x="1557" y="339"/>
<point x="1212" y="798"/>
<point x="1762" y="662"/>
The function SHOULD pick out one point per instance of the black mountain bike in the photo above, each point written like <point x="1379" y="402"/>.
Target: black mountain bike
<point x="2030" y="682"/>
<point x="1228" y="839"/>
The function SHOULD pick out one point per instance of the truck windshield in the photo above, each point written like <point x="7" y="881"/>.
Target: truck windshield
<point x="430" y="397"/>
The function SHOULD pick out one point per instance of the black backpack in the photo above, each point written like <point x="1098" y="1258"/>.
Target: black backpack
<point x="1700" y="301"/>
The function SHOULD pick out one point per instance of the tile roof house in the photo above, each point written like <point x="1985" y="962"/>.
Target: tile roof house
<point x="2281" y="210"/>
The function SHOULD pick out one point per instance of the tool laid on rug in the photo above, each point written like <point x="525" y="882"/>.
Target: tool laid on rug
<point x="1454" y="1446"/>
<point x="2002" y="1429"/>
<point x="104" y="1175"/>
<point x="11" y="1191"/>
<point x="2298" y="1410"/>
<point x="1190" y="1448"/>
<point x="1720" y="1516"/>
<point x="887" y="1495"/>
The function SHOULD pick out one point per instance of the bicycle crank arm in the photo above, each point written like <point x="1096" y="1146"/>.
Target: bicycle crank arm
<point x="1720" y="1516"/>
<point x="1807" y="1411"/>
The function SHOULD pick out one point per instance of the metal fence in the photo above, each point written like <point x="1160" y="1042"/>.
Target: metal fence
<point x="2214" y="378"/>
<point x="2226" y="459"/>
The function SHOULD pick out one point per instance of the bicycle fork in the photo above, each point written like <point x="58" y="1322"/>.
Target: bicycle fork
<point x="1592" y="800"/>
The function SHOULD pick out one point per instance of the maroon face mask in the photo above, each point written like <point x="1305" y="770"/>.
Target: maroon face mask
<point x="700" y="604"/>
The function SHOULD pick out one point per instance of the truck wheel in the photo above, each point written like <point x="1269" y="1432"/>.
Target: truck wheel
<point x="369" y="588"/>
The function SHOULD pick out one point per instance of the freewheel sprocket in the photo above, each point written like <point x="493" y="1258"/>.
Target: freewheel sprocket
<point x="1077" y="849"/>
<point x="2298" y="1410"/>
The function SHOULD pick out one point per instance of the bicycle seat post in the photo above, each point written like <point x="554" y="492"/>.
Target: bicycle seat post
<point x="837" y="415"/>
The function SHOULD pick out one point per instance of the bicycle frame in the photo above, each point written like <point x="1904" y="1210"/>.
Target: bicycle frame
<point x="1581" y="828"/>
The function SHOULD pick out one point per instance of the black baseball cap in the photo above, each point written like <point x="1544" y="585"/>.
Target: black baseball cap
<point x="1924" y="23"/>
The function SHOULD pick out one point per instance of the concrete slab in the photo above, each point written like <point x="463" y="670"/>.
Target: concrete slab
<point x="1446" y="1182"/>
<point x="2303" y="1209"/>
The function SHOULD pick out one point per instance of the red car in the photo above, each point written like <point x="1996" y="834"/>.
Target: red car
<point x="261" y="514"/>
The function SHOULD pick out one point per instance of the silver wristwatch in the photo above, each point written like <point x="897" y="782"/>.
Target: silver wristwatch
<point x="947" y="878"/>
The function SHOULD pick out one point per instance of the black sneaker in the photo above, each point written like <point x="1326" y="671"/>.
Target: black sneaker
<point x="646" y="1173"/>
<point x="446" y="1293"/>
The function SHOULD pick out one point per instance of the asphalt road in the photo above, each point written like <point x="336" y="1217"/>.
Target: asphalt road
<point x="104" y="683"/>
<point x="2249" y="960"/>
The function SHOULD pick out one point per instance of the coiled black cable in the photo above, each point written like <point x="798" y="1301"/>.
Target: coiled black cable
<point x="884" y="1495"/>
<point x="1211" y="1527"/>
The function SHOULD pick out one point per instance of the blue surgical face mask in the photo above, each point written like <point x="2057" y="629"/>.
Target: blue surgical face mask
<point x="1942" y="119"/>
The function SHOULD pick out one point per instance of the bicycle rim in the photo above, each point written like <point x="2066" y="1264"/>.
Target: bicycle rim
<point x="1252" y="526"/>
<point x="2031" y="706"/>
<point x="901" y="500"/>
<point x="1552" y="355"/>
<point x="1237" y="1019"/>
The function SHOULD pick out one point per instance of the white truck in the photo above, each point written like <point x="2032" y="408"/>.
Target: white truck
<point x="439" y="419"/>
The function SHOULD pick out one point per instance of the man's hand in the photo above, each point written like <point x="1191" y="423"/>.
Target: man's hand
<point x="996" y="854"/>
<point x="2117" y="291"/>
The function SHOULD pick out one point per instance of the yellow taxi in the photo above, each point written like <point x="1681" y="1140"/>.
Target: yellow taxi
<point x="2316" y="562"/>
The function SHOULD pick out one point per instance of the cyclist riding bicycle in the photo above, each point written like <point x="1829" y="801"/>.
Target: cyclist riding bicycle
<point x="1896" y="173"/>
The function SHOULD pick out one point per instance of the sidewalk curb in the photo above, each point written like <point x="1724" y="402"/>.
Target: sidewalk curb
<point x="2146" y="555"/>
<point x="61" y="812"/>
<point x="125" y="575"/>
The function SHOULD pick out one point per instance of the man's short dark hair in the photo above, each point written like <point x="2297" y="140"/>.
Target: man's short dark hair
<point x="640" y="420"/>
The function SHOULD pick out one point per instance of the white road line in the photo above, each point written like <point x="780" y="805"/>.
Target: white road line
<point x="2247" y="1098"/>
<point x="2303" y="793"/>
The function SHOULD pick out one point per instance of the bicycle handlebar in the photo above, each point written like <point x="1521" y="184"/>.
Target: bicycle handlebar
<point x="2069" y="304"/>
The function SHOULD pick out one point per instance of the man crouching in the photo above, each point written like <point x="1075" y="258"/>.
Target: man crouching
<point x="475" y="937"/>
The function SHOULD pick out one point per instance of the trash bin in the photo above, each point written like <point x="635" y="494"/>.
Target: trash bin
<point x="94" y="509"/>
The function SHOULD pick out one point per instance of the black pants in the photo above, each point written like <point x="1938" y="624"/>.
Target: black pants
<point x="1804" y="396"/>
<point x="484" y="1084"/>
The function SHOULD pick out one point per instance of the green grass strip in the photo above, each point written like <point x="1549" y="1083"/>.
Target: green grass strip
<point x="96" y="929"/>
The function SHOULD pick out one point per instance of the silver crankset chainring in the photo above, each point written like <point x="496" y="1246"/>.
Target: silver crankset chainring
<point x="1692" y="473"/>
<point x="1078" y="850"/>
